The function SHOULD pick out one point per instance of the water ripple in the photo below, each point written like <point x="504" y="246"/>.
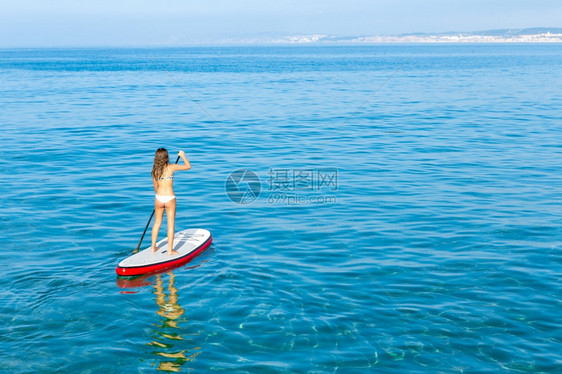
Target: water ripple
<point x="441" y="252"/>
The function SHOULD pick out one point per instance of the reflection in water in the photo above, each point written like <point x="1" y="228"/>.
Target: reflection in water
<point x="167" y="332"/>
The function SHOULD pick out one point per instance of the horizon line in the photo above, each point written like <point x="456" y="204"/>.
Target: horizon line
<point x="534" y="35"/>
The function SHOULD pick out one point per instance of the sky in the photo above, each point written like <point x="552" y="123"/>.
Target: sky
<point x="59" y="23"/>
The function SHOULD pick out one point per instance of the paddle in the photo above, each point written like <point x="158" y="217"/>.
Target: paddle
<point x="148" y="223"/>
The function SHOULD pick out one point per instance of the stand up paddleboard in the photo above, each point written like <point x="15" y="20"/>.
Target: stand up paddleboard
<point x="189" y="243"/>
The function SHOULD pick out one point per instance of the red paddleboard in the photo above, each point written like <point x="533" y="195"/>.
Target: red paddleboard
<point x="189" y="243"/>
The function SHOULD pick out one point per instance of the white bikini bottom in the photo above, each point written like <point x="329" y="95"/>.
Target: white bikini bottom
<point x="164" y="199"/>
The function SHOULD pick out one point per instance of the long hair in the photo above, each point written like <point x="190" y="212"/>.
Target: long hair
<point x="161" y="160"/>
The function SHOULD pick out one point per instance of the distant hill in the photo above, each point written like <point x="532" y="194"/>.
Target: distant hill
<point x="527" y="35"/>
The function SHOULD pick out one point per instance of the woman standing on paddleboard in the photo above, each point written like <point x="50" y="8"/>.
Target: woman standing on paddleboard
<point x="163" y="177"/>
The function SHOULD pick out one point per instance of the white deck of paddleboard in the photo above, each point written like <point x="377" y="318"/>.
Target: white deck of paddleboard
<point x="185" y="242"/>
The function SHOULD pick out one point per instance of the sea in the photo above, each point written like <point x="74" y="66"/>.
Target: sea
<point x="374" y="208"/>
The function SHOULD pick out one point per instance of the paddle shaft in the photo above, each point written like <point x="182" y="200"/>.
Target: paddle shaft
<point x="148" y="223"/>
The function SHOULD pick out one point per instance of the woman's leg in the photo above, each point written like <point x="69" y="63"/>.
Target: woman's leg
<point x="158" y="214"/>
<point x="171" y="218"/>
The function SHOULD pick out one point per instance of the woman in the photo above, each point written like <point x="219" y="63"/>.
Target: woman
<point x="162" y="177"/>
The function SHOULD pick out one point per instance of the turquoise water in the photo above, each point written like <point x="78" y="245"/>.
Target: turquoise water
<point x="408" y="220"/>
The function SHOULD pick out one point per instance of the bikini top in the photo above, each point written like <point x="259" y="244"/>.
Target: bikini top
<point x="170" y="177"/>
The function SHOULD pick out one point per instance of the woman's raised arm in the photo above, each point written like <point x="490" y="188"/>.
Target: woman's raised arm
<point x="186" y="165"/>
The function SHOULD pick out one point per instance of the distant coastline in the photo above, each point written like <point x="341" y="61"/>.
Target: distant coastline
<point x="529" y="35"/>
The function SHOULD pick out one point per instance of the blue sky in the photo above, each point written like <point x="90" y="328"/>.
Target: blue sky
<point x="150" y="22"/>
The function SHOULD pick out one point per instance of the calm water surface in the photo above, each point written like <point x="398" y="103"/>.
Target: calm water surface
<point x="409" y="218"/>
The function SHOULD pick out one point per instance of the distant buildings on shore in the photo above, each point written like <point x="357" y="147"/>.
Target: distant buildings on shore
<point x="531" y="35"/>
<point x="463" y="38"/>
